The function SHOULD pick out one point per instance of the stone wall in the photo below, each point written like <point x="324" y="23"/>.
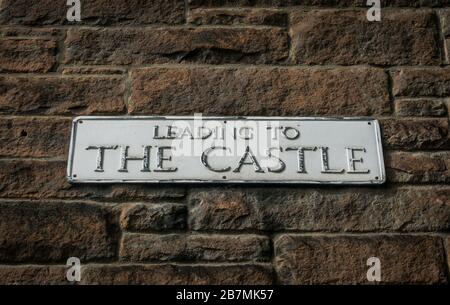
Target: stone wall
<point x="224" y="57"/>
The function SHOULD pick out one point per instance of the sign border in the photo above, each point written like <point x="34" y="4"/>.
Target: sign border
<point x="376" y="124"/>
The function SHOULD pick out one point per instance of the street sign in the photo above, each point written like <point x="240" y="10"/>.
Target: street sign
<point x="200" y="149"/>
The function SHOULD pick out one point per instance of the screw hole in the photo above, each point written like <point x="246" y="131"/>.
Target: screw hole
<point x="369" y="123"/>
<point x="74" y="176"/>
<point x="224" y="177"/>
<point x="377" y="178"/>
<point x="81" y="122"/>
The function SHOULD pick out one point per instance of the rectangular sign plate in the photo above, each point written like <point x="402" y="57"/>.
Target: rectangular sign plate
<point x="226" y="150"/>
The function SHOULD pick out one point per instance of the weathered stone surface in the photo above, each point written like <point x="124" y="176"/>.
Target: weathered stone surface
<point x="230" y="57"/>
<point x="27" y="55"/>
<point x="418" y="167"/>
<point x="417" y="3"/>
<point x="34" y="137"/>
<point x="321" y="209"/>
<point x="347" y="38"/>
<point x="93" y="70"/>
<point x="33" y="275"/>
<point x="44" y="231"/>
<point x="99" y="12"/>
<point x="182" y="247"/>
<point x="420" y="107"/>
<point x="42" y="179"/>
<point x="338" y="3"/>
<point x="61" y="95"/>
<point x="259" y="91"/>
<point x="410" y="134"/>
<point x="342" y="259"/>
<point x="164" y="274"/>
<point x="172" y="45"/>
<point x="153" y="217"/>
<point x="16" y="31"/>
<point x="417" y="82"/>
<point x="239" y="16"/>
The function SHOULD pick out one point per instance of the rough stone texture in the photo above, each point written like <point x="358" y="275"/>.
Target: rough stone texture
<point x="33" y="275"/>
<point x="153" y="217"/>
<point x="29" y="32"/>
<point x="44" y="231"/>
<point x="34" y="137"/>
<point x="342" y="260"/>
<point x="182" y="247"/>
<point x="321" y="209"/>
<point x="259" y="91"/>
<point x="99" y="12"/>
<point x="27" y="55"/>
<point x="420" y="107"/>
<point x="172" y="45"/>
<point x="417" y="82"/>
<point x="415" y="134"/>
<point x="42" y="179"/>
<point x="338" y="3"/>
<point x="66" y="95"/>
<point x="347" y="38"/>
<point x="418" y="167"/>
<point x="237" y="17"/>
<point x="224" y="57"/>
<point x="164" y="274"/>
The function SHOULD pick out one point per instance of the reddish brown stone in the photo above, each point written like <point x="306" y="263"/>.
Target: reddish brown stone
<point x="242" y="274"/>
<point x="182" y="247"/>
<point x="133" y="46"/>
<point x="327" y="3"/>
<point x="239" y="16"/>
<point x="27" y="55"/>
<point x="418" y="167"/>
<point x="343" y="259"/>
<point x="61" y="95"/>
<point x="348" y="38"/>
<point x="415" y="134"/>
<point x="259" y="91"/>
<point x="42" y="179"/>
<point x="420" y="107"/>
<point x="98" y="12"/>
<point x="34" y="137"/>
<point x="413" y="209"/>
<point x="44" y="231"/>
<point x="417" y="82"/>
<point x="29" y="32"/>
<point x="33" y="275"/>
<point x="153" y="217"/>
<point x="121" y="60"/>
<point x="214" y="209"/>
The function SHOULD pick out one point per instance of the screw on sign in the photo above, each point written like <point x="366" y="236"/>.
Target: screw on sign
<point x="176" y="149"/>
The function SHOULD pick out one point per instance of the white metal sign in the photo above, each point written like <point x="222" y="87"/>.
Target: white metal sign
<point x="226" y="149"/>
